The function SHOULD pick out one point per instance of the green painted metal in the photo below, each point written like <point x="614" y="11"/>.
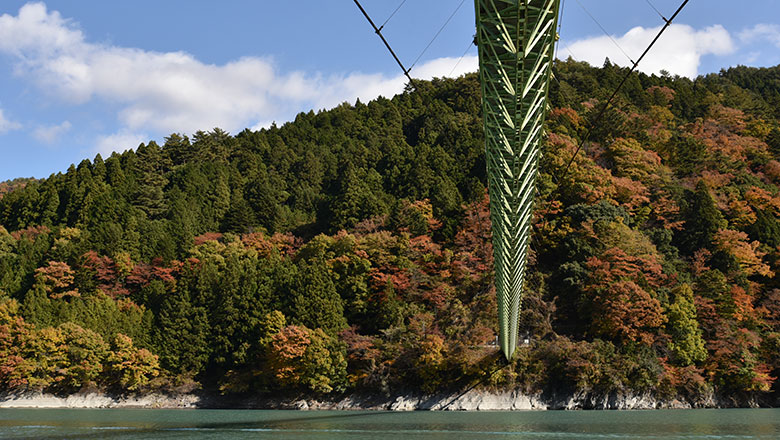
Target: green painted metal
<point x="516" y="40"/>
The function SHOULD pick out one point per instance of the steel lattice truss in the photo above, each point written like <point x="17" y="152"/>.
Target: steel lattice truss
<point x="516" y="40"/>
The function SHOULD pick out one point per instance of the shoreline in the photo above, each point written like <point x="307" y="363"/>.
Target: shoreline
<point x="473" y="400"/>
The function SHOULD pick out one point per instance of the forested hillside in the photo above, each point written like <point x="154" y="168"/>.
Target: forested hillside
<point x="349" y="250"/>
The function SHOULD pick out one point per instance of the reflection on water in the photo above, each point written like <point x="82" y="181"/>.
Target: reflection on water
<point x="549" y="425"/>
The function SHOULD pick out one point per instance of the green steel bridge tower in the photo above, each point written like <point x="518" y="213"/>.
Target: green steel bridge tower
<point x="516" y="40"/>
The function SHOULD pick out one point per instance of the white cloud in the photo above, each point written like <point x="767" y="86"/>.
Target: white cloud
<point x="6" y="125"/>
<point x="678" y="51"/>
<point x="49" y="133"/>
<point x="761" y="32"/>
<point x="447" y="67"/>
<point x="173" y="91"/>
<point x="121" y="141"/>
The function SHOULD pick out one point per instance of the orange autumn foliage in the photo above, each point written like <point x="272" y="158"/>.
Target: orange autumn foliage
<point x="747" y="254"/>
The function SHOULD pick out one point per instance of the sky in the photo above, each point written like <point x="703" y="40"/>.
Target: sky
<point x="80" y="78"/>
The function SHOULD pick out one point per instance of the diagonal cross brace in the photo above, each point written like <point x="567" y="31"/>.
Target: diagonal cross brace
<point x="516" y="40"/>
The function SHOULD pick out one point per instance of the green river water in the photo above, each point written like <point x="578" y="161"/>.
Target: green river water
<point x="240" y="424"/>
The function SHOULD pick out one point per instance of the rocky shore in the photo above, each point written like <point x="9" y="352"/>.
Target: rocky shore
<point x="473" y="400"/>
<point x="98" y="400"/>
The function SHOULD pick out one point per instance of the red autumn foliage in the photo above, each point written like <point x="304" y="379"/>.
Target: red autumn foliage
<point x="565" y="116"/>
<point x="259" y="242"/>
<point x="363" y="355"/>
<point x="12" y="185"/>
<point x="620" y="293"/>
<point x="661" y="95"/>
<point x="630" y="193"/>
<point x="143" y="273"/>
<point x="699" y="263"/>
<point x="288" y="244"/>
<point x="763" y="199"/>
<point x="667" y="212"/>
<point x="106" y="273"/>
<point x="769" y="309"/>
<point x="772" y="171"/>
<point x="473" y="256"/>
<point x="743" y="305"/>
<point x="720" y="138"/>
<point x="30" y="232"/>
<point x="688" y="379"/>
<point x="208" y="236"/>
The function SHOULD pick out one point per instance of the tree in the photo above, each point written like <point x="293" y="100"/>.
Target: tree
<point x="237" y="310"/>
<point x="747" y="254"/>
<point x="178" y="148"/>
<point x="324" y="364"/>
<point x="773" y="141"/>
<point x="688" y="154"/>
<point x="108" y="274"/>
<point x="621" y="298"/>
<point x="687" y="343"/>
<point x="702" y="220"/>
<point x="286" y="354"/>
<point x="240" y="218"/>
<point x="360" y="197"/>
<point x="151" y="180"/>
<point x="766" y="228"/>
<point x="57" y="280"/>
<point x="45" y="359"/>
<point x="86" y="355"/>
<point x="315" y="301"/>
<point x="309" y="359"/>
<point x="37" y="308"/>
<point x="128" y="366"/>
<point x="181" y="333"/>
<point x="263" y="198"/>
<point x="14" y="337"/>
<point x="209" y="253"/>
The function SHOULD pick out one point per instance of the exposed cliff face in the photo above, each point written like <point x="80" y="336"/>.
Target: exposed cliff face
<point x="97" y="400"/>
<point x="473" y="400"/>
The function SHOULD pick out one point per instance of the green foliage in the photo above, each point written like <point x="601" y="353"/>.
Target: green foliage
<point x="773" y="141"/>
<point x="702" y="220"/>
<point x="309" y="359"/>
<point x="315" y="301"/>
<point x="86" y="354"/>
<point x="181" y="332"/>
<point x="687" y="343"/>
<point x="131" y="367"/>
<point x="687" y="154"/>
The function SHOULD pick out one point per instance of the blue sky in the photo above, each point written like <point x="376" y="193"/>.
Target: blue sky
<point x="79" y="78"/>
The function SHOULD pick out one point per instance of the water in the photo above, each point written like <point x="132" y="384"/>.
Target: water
<point x="331" y="425"/>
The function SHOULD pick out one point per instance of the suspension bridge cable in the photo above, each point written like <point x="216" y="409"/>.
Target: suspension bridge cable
<point x="614" y="94"/>
<point x="391" y="15"/>
<point x="501" y="365"/>
<point x="560" y="40"/>
<point x="437" y="33"/>
<point x="656" y="10"/>
<point x="461" y="57"/>
<point x="387" y="45"/>
<point x="568" y="49"/>
<point x="560" y="25"/>
<point x="604" y="30"/>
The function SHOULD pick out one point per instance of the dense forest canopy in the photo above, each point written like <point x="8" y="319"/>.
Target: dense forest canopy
<point x="349" y="250"/>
